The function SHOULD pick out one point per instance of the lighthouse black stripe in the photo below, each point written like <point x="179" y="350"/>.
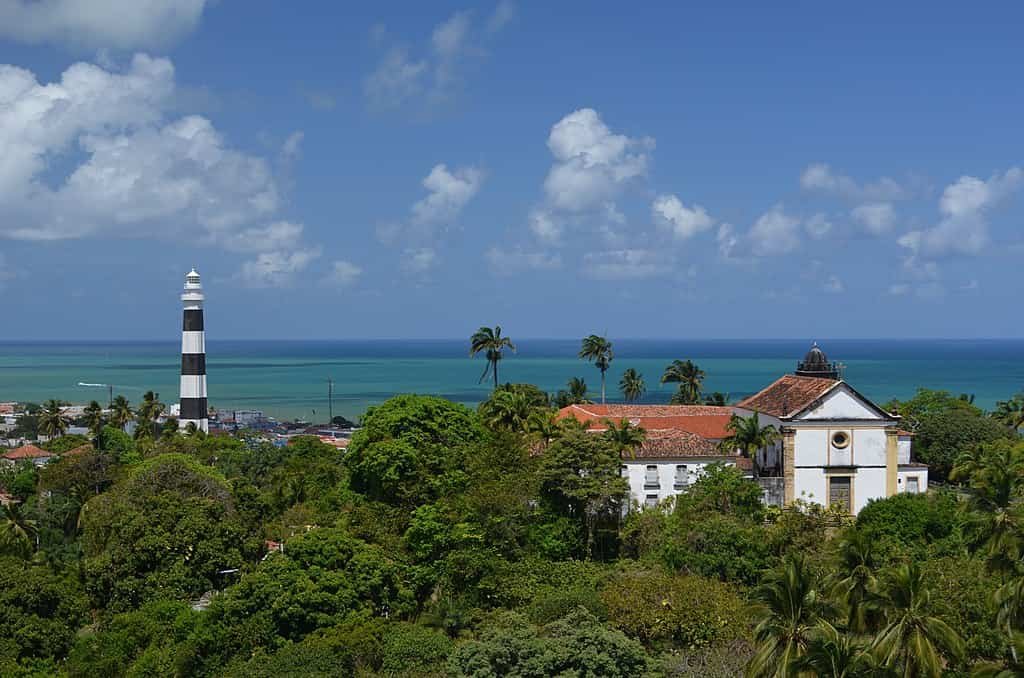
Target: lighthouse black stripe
<point x="193" y="320"/>
<point x="193" y="364"/>
<point x="193" y="408"/>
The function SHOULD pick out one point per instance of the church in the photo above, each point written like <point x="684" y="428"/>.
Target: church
<point x="835" y="447"/>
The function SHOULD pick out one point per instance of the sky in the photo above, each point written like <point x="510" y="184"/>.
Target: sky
<point x="416" y="170"/>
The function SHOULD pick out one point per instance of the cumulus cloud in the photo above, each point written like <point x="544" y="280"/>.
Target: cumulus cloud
<point x="965" y="206"/>
<point x="876" y="218"/>
<point x="448" y="194"/>
<point x="280" y="235"/>
<point x="684" y="222"/>
<point x="727" y="241"/>
<point x="821" y="178"/>
<point x="509" y="262"/>
<point x="818" y="226"/>
<point x="546" y="226"/>
<point x="626" y="264"/>
<point x="436" y="72"/>
<point x="591" y="162"/>
<point x="141" y="174"/>
<point x="774" y="233"/>
<point x="343" y="273"/>
<point x="276" y="269"/>
<point x="418" y="260"/>
<point x="98" y="24"/>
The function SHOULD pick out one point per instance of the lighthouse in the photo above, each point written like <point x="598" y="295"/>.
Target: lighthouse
<point x="193" y="356"/>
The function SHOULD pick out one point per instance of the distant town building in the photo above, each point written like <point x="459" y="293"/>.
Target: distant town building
<point x="193" y="405"/>
<point x="36" y="455"/>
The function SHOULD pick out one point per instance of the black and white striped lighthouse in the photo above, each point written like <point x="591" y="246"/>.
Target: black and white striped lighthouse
<point x="193" y="356"/>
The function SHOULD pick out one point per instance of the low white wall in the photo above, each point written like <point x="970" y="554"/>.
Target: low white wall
<point x="635" y="471"/>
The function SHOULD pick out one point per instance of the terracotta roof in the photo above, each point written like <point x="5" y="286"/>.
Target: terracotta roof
<point x="901" y="432"/>
<point x="787" y="395"/>
<point x="669" y="443"/>
<point x="81" y="449"/>
<point x="27" y="452"/>
<point x="702" y="420"/>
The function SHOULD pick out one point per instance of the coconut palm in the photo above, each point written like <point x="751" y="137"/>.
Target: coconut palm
<point x="748" y="436"/>
<point x="1014" y="667"/>
<point x="632" y="385"/>
<point x="121" y="412"/>
<point x="149" y="410"/>
<point x="717" y="399"/>
<point x="913" y="641"/>
<point x="625" y="436"/>
<point x="507" y="409"/>
<point x="170" y="428"/>
<point x="690" y="379"/>
<point x="575" y="393"/>
<point x="543" y="424"/>
<point x="490" y="342"/>
<point x="834" y="654"/>
<point x="994" y="522"/>
<point x="855" y="579"/>
<point x="1010" y="412"/>
<point x="93" y="413"/>
<point x="789" y="607"/>
<point x="597" y="350"/>
<point x="52" y="420"/>
<point x="17" y="532"/>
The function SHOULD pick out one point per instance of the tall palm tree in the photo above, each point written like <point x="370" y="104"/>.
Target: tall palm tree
<point x="597" y="350"/>
<point x="52" y="420"/>
<point x="834" y="654"/>
<point x="121" y="412"/>
<point x="490" y="342"/>
<point x="1010" y="412"/>
<point x="913" y="640"/>
<point x="625" y="436"/>
<point x="632" y="385"/>
<point x="854" y="580"/>
<point x="575" y="393"/>
<point x="690" y="379"/>
<point x="94" y="418"/>
<point x="18" y="533"/>
<point x="994" y="522"/>
<point x="748" y="436"/>
<point x="543" y="424"/>
<point x="149" y="409"/>
<point x="789" y="607"/>
<point x="507" y="410"/>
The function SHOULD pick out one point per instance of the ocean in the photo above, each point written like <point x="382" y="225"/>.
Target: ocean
<point x="288" y="379"/>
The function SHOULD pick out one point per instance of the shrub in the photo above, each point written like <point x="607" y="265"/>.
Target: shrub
<point x="718" y="546"/>
<point x="408" y="649"/>
<point x="910" y="519"/>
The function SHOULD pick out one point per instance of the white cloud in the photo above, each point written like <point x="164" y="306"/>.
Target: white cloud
<point x="503" y="14"/>
<point x="449" y="192"/>
<point x="899" y="289"/>
<point x="818" y="226"/>
<point x="343" y="273"/>
<point x="820" y="177"/>
<point x="626" y="264"/>
<point x="292" y="146"/>
<point x="97" y="24"/>
<point x="276" y="269"/>
<point x="775" y="232"/>
<point x="727" y="240"/>
<point x="876" y="218"/>
<point x="141" y="175"/>
<point x="545" y="226"/>
<point x="509" y="262"/>
<point x="449" y="37"/>
<point x="591" y="162"/>
<point x="418" y="260"/>
<point x="683" y="221"/>
<point x="833" y="285"/>
<point x="965" y="205"/>
<point x="280" y="235"/>
<point x="396" y="79"/>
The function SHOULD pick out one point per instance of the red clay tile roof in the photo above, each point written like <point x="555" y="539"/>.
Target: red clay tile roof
<point x="705" y="421"/>
<point x="81" y="449"/>
<point x="27" y="452"/>
<point x="901" y="433"/>
<point x="787" y="395"/>
<point x="669" y="443"/>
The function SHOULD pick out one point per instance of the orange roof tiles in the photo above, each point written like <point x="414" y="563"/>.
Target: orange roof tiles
<point x="787" y="395"/>
<point x="27" y="452"/>
<point x="703" y="420"/>
<point x="668" y="443"/>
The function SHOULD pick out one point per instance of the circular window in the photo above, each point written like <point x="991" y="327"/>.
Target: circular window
<point x="840" y="439"/>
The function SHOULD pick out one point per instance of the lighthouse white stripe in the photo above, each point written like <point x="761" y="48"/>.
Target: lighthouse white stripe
<point x="193" y="342"/>
<point x="193" y="386"/>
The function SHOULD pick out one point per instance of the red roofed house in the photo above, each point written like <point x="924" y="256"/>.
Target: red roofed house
<point x="37" y="456"/>
<point x="681" y="441"/>
<point x="837" y="447"/>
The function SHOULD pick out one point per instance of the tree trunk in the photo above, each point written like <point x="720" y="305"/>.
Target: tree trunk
<point x="602" y="387"/>
<point x="495" y="375"/>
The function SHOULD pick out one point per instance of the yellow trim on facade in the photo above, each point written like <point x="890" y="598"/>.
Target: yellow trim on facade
<point x="891" y="462"/>
<point x="788" y="465"/>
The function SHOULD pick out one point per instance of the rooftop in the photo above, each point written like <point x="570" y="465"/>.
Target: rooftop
<point x="705" y="421"/>
<point x="787" y="395"/>
<point x="27" y="452"/>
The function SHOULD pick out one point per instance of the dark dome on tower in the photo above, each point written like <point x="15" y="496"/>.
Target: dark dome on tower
<point x="816" y="364"/>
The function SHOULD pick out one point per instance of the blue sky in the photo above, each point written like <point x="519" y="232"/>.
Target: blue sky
<point x="419" y="169"/>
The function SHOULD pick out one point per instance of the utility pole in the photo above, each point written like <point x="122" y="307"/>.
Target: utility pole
<point x="330" y="401"/>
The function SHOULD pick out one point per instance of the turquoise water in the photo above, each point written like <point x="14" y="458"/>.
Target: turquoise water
<point x="288" y="379"/>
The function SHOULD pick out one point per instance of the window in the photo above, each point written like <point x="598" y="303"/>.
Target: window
<point x="624" y="471"/>
<point x="651" y="477"/>
<point x="913" y="485"/>
<point x="650" y="501"/>
<point x="682" y="477"/>
<point x="840" y="492"/>
<point x="840" y="439"/>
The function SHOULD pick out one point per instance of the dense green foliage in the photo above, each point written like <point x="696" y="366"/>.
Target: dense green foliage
<point x="448" y="541"/>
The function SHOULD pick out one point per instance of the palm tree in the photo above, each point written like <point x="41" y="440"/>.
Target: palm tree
<point x="94" y="418"/>
<point x="748" y="436"/>
<point x="170" y="427"/>
<point x="788" y="611"/>
<point x="18" y="533"/>
<point x="1014" y="667"/>
<point x="52" y="420"/>
<point x="913" y="640"/>
<point x="1010" y="413"/>
<point x="492" y="344"/>
<point x="149" y="410"/>
<point x="625" y="436"/>
<point x="834" y="654"/>
<point x="575" y="393"/>
<point x="716" y="399"/>
<point x="632" y="385"/>
<point x="994" y="523"/>
<point x="508" y="410"/>
<point x="598" y="350"/>
<point x="854" y="580"/>
<point x="121" y="412"/>
<point x="543" y="424"/>
<point x="690" y="379"/>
